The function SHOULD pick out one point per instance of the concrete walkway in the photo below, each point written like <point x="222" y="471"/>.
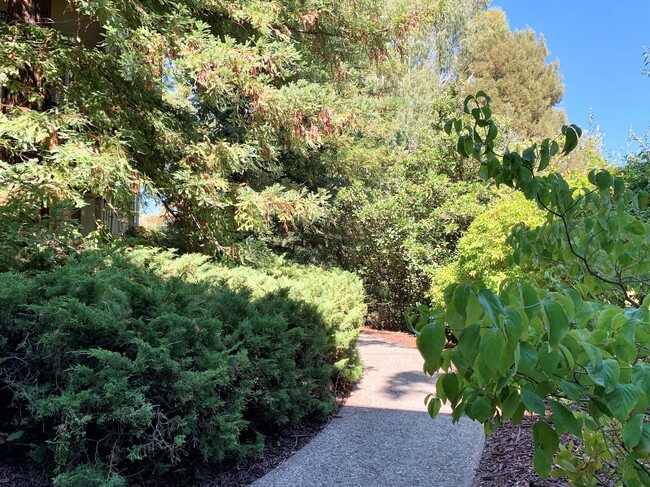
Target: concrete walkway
<point x="383" y="436"/>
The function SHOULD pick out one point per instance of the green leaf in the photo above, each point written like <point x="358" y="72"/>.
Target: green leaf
<point x="544" y="160"/>
<point x="603" y="180"/>
<point x="460" y="147"/>
<point x="619" y="186"/>
<point x="568" y="357"/>
<point x="38" y="454"/>
<point x="573" y="391"/>
<point x="430" y="343"/>
<point x="491" y="305"/>
<point x="514" y="325"/>
<point x="518" y="415"/>
<point x="622" y="399"/>
<point x="632" y="430"/>
<point x="594" y="354"/>
<point x="448" y="126"/>
<point x="542" y="463"/>
<point x="533" y="402"/>
<point x="606" y="375"/>
<point x="477" y="114"/>
<point x="510" y="405"/>
<point x="530" y="300"/>
<point x="483" y="172"/>
<point x="546" y="442"/>
<point x="549" y="359"/>
<point x="644" y="444"/>
<point x="571" y="139"/>
<point x="491" y="349"/>
<point x="469" y="339"/>
<point x="482" y="94"/>
<point x="461" y="298"/>
<point x="468" y="99"/>
<point x="481" y="409"/>
<point x="529" y="358"/>
<point x="434" y="407"/>
<point x="449" y="384"/>
<point x="16" y="435"/>
<point x="468" y="146"/>
<point x="564" y="419"/>
<point x="492" y="133"/>
<point x="558" y="323"/>
<point x="641" y="378"/>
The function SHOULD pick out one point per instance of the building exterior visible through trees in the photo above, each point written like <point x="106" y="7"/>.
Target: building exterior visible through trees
<point x="60" y="15"/>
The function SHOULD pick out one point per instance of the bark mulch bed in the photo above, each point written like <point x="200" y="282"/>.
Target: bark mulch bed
<point x="397" y="337"/>
<point x="507" y="459"/>
<point x="16" y="471"/>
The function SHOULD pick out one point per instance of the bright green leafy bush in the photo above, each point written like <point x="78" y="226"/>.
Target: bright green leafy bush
<point x="636" y="171"/>
<point x="576" y="353"/>
<point x="482" y="253"/>
<point x="138" y="359"/>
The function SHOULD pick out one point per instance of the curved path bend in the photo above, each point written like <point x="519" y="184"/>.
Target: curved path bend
<point x="383" y="436"/>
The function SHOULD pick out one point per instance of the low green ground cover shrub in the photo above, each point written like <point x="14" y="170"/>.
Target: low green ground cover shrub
<point x="140" y="360"/>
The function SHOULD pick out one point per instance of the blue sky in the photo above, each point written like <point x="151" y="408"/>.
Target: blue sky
<point x="599" y="44"/>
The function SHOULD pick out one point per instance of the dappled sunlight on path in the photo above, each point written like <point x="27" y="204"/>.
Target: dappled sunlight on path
<point x="383" y="435"/>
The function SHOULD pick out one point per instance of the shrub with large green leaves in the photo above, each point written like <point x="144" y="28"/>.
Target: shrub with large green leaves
<point x="137" y="360"/>
<point x="576" y="354"/>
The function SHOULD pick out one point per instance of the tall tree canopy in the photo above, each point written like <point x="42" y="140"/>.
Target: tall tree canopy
<point x="213" y="107"/>
<point x="512" y="68"/>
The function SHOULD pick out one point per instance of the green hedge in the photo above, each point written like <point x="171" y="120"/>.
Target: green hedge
<point x="141" y="360"/>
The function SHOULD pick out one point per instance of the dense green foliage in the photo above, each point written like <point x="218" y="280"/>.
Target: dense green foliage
<point x="398" y="219"/>
<point x="636" y="172"/>
<point x="137" y="359"/>
<point x="396" y="235"/>
<point x="217" y="109"/>
<point x="304" y="128"/>
<point x="579" y="348"/>
<point x="482" y="253"/>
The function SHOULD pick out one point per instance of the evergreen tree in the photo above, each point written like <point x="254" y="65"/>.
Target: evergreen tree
<point x="212" y="107"/>
<point x="512" y="68"/>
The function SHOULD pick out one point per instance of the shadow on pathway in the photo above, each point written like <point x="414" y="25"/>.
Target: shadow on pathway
<point x="383" y="436"/>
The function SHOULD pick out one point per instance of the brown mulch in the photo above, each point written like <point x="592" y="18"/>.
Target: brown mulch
<point x="17" y="471"/>
<point x="507" y="459"/>
<point x="397" y="337"/>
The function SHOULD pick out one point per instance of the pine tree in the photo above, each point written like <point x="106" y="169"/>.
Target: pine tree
<point x="512" y="69"/>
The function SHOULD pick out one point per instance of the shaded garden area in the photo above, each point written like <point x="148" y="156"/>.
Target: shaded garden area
<point x="203" y="202"/>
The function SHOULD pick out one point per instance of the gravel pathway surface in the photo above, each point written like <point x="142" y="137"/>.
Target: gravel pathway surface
<point x="383" y="435"/>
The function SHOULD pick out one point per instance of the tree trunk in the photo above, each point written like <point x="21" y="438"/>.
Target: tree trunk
<point x="29" y="11"/>
<point x="34" y="12"/>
